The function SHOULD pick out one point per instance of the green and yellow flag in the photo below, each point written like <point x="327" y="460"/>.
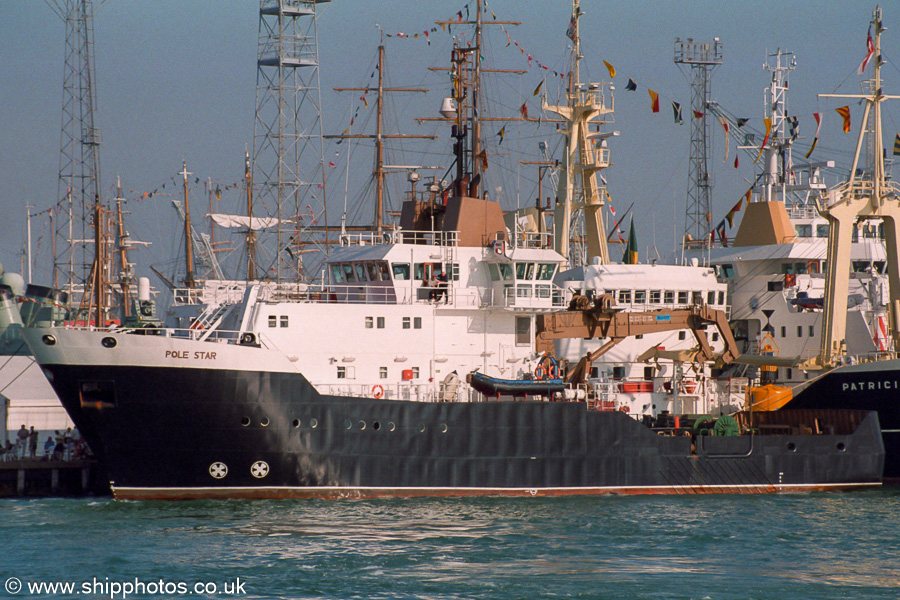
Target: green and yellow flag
<point x="631" y="249"/>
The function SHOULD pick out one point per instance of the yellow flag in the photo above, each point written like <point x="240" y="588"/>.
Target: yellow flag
<point x="611" y="69"/>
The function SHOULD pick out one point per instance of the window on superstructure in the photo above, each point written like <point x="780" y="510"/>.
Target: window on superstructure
<point x="726" y="271"/>
<point x="804" y="231"/>
<point x="822" y="230"/>
<point x="640" y="296"/>
<point x="384" y="270"/>
<point x="682" y="335"/>
<point x="349" y="276"/>
<point x="337" y="275"/>
<point x="284" y="320"/>
<point x="799" y="330"/>
<point x="417" y="322"/>
<point x="722" y="298"/>
<point x="682" y="297"/>
<point x="523" y="331"/>
<point x="382" y="372"/>
<point x="406" y="322"/>
<point x="454" y="271"/>
<point x="506" y="271"/>
<point x="545" y="271"/>
<point x="542" y="291"/>
<point x="273" y="321"/>
<point x="715" y="336"/>
<point x="401" y="271"/>
<point x="625" y="297"/>
<point x="520" y="270"/>
<point x="711" y="297"/>
<point x="669" y="297"/>
<point x="373" y="271"/>
<point x="370" y="322"/>
<point x="380" y="322"/>
<point x="523" y="291"/>
<point x="655" y="296"/>
<point x="855" y="236"/>
<point x="696" y="297"/>
<point x="812" y="330"/>
<point x="415" y="373"/>
<point x="801" y="268"/>
<point x="775" y="286"/>
<point x="360" y="272"/>
<point x="494" y="271"/>
<point x="342" y="372"/>
<point x="783" y="331"/>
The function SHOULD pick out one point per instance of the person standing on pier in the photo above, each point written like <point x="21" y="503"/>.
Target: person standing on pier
<point x="33" y="442"/>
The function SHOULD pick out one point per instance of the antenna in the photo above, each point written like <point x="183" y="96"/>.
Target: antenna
<point x="702" y="60"/>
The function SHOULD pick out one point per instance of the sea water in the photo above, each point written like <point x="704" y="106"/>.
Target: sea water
<point x="717" y="547"/>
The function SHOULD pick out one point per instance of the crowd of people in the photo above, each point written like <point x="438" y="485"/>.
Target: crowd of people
<point x="62" y="446"/>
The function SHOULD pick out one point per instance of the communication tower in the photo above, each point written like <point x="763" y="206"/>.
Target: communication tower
<point x="702" y="60"/>
<point x="79" y="156"/>
<point x="288" y="126"/>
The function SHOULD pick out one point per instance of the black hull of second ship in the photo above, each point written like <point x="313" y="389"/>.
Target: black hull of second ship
<point x="176" y="433"/>
<point x="870" y="387"/>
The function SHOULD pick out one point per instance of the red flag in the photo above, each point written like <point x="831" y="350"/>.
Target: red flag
<point x="844" y="111"/>
<point x="818" y="117"/>
<point x="524" y="110"/>
<point x="870" y="49"/>
<point x="654" y="101"/>
<point x="698" y="114"/>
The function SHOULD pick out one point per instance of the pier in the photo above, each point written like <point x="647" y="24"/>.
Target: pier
<point x="33" y="478"/>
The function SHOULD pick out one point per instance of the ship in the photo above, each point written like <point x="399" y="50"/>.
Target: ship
<point x="363" y="384"/>
<point x="823" y="337"/>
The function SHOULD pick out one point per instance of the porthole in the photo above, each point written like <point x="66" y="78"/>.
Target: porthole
<point x="443" y="428"/>
<point x="792" y="447"/>
<point x="421" y="427"/>
<point x="264" y="422"/>
<point x="48" y="340"/>
<point x="348" y="424"/>
<point x="108" y="342"/>
<point x="313" y="423"/>
<point x="245" y="421"/>
<point x="295" y="423"/>
<point x="376" y="425"/>
<point x="391" y="426"/>
<point x="841" y="447"/>
<point x="362" y="425"/>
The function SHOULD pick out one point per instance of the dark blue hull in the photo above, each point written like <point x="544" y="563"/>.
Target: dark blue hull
<point x="188" y="433"/>
<point x="870" y="386"/>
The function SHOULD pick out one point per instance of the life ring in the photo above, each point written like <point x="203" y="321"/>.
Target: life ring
<point x="539" y="372"/>
<point x="377" y="391"/>
<point x="553" y="372"/>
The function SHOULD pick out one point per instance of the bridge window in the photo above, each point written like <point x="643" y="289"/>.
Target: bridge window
<point x="337" y="274"/>
<point x="545" y="271"/>
<point x="640" y="296"/>
<point x="655" y="296"/>
<point x="669" y="297"/>
<point x="284" y="320"/>
<point x="401" y="271"/>
<point x="682" y="297"/>
<point x="273" y="321"/>
<point x="506" y="271"/>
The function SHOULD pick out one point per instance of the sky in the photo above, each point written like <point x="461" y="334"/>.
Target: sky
<point x="176" y="81"/>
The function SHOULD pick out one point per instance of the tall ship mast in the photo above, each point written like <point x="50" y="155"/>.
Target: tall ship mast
<point x="578" y="189"/>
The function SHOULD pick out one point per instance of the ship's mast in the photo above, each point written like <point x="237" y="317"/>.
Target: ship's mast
<point x="379" y="137"/>
<point x="188" y="241"/>
<point x="578" y="189"/>
<point x="869" y="197"/>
